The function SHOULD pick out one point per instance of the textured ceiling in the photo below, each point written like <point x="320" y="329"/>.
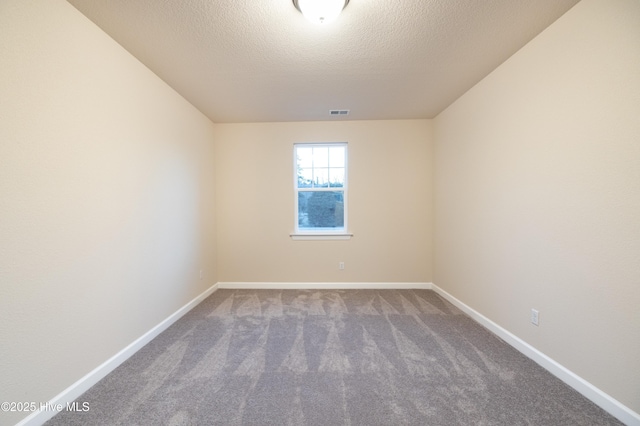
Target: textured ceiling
<point x="260" y="60"/>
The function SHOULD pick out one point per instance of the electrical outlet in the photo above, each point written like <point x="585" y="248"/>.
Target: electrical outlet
<point x="535" y="317"/>
<point x="341" y="266"/>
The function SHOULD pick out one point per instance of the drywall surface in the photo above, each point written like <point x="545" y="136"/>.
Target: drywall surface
<point x="389" y="203"/>
<point x="537" y="195"/>
<point x="106" y="200"/>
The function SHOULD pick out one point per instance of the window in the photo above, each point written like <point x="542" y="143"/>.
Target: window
<point x="320" y="189"/>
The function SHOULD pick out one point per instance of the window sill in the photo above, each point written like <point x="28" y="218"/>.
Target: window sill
<point x="307" y="237"/>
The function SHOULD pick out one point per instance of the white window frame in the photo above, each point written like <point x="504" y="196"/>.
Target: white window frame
<point x="320" y="234"/>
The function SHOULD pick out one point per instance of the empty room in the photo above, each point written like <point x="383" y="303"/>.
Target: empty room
<point x="260" y="212"/>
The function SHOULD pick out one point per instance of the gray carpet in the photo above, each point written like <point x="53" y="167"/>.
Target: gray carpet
<point x="330" y="357"/>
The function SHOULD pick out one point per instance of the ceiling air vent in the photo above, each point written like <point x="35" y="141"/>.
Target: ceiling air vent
<point x="339" y="112"/>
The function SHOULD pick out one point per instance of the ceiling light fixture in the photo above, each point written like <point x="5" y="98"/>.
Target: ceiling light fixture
<point x="320" y="11"/>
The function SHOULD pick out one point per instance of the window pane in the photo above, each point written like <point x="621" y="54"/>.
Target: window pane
<point x="320" y="209"/>
<point x="336" y="156"/>
<point x="305" y="178"/>
<point x="321" y="178"/>
<point x="336" y="177"/>
<point x="304" y="157"/>
<point x="320" y="157"/>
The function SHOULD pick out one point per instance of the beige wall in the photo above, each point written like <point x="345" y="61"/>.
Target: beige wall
<point x="106" y="200"/>
<point x="390" y="208"/>
<point x="537" y="195"/>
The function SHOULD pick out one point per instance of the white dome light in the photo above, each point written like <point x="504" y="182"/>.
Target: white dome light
<point x="320" y="11"/>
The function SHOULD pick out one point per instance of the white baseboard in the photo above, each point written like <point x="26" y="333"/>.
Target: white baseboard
<point x="81" y="386"/>
<point x="322" y="286"/>
<point x="598" y="397"/>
